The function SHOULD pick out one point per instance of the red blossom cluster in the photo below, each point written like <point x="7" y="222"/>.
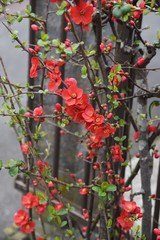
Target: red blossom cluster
<point x="117" y="76"/>
<point x="37" y="114"/>
<point x="106" y="48"/>
<point x="116" y="153"/>
<point x="85" y="214"/>
<point x="54" y="74"/>
<point x="21" y="217"/>
<point x="78" y="107"/>
<point x="42" y="165"/>
<point x="130" y="213"/>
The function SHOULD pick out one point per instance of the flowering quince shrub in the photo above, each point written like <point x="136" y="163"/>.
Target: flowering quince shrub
<point x="103" y="110"/>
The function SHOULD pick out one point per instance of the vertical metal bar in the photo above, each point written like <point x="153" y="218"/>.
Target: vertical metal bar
<point x="57" y="136"/>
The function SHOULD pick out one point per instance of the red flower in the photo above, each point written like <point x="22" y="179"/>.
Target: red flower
<point x="27" y="114"/>
<point x="91" y="155"/>
<point x="152" y="128"/>
<point x="70" y="81"/>
<point x="50" y="184"/>
<point x="156" y="231"/>
<point x="102" y="47"/>
<point x="84" y="229"/>
<point x="58" y="108"/>
<point x="28" y="227"/>
<point x="105" y="131"/>
<point x="136" y="14"/>
<point x="99" y="119"/>
<point x="34" y="27"/>
<point x="82" y="102"/>
<point x="82" y="13"/>
<point x="58" y="206"/>
<point x="136" y="136"/>
<point x="30" y="200"/>
<point x="83" y="191"/>
<point x="139" y="62"/>
<point x="116" y="153"/>
<point x="55" y="81"/>
<point x="25" y="147"/>
<point x="42" y="165"/>
<point x="128" y="206"/>
<point x="40" y="238"/>
<point x="125" y="221"/>
<point x="72" y="94"/>
<point x="34" y="68"/>
<point x="54" y="74"/>
<point x="38" y="111"/>
<point x="21" y="217"/>
<point x="89" y="114"/>
<point x="41" y="208"/>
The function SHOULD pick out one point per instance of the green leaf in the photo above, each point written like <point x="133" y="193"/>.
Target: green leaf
<point x="112" y="37"/>
<point x="125" y="163"/>
<point x="96" y="188"/>
<point x="137" y="42"/>
<point x="118" y="68"/>
<point x="58" y="219"/>
<point x="75" y="46"/>
<point x="43" y="198"/>
<point x="111" y="188"/>
<point x="11" y="163"/>
<point x="125" y="18"/>
<point x="57" y="238"/>
<point x="14" y="35"/>
<point x="121" y="122"/>
<point x="60" y="12"/>
<point x="22" y="111"/>
<point x="123" y="138"/>
<point x="84" y="72"/>
<point x="49" y="218"/>
<point x="146" y="11"/>
<point x="69" y="232"/>
<point x="109" y="223"/>
<point x="102" y="194"/>
<point x="62" y="212"/>
<point x="13" y="171"/>
<point x="56" y="42"/>
<point x="1" y="164"/>
<point x="104" y="186"/>
<point x="61" y="8"/>
<point x="28" y="9"/>
<point x="117" y="139"/>
<point x="64" y="223"/>
<point x="51" y="209"/>
<point x="44" y="36"/>
<point x="91" y="53"/>
<point x="152" y="3"/>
